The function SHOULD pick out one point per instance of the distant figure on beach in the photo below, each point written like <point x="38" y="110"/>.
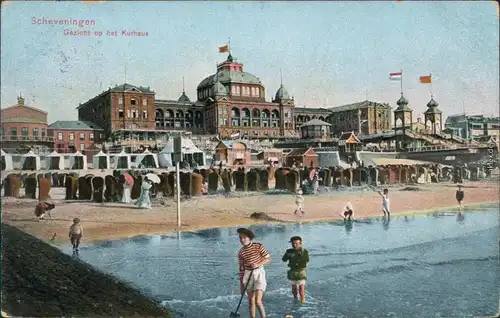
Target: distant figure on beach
<point x="75" y="233"/>
<point x="144" y="201"/>
<point x="43" y="208"/>
<point x="315" y="184"/>
<point x="385" y="202"/>
<point x="127" y="190"/>
<point x="299" y="202"/>
<point x="204" y="188"/>
<point x="459" y="196"/>
<point x="347" y="212"/>
<point x="251" y="260"/>
<point x="297" y="258"/>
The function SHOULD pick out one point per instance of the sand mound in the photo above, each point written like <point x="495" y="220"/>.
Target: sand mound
<point x="39" y="280"/>
<point x="262" y="217"/>
<point x="412" y="189"/>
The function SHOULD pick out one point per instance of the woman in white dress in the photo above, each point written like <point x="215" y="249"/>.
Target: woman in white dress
<point x="144" y="201"/>
<point x="127" y="190"/>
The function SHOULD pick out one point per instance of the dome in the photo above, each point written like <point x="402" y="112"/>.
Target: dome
<point x="402" y="101"/>
<point x="184" y="98"/>
<point x="219" y="89"/>
<point x="282" y="93"/>
<point x="226" y="77"/>
<point x="432" y="103"/>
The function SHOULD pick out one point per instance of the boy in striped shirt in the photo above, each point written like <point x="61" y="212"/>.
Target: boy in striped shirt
<point x="251" y="260"/>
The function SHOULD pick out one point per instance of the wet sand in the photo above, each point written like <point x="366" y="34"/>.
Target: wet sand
<point x="114" y="220"/>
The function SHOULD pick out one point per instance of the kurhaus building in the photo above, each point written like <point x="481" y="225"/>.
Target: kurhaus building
<point x="229" y="102"/>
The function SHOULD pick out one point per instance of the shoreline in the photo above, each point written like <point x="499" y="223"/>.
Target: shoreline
<point x="114" y="221"/>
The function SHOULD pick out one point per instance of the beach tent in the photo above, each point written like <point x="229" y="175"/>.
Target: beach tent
<point x="55" y="161"/>
<point x="122" y="160"/>
<point x="7" y="163"/>
<point x="190" y="153"/>
<point x="146" y="160"/>
<point x="30" y="161"/>
<point x="78" y="161"/>
<point x="101" y="161"/>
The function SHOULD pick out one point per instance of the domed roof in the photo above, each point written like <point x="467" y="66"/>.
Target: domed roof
<point x="282" y="93"/>
<point x="225" y="76"/>
<point x="432" y="103"/>
<point x="219" y="89"/>
<point x="402" y="101"/>
<point x="184" y="98"/>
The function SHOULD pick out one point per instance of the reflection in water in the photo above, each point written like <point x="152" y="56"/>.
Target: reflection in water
<point x="348" y="226"/>
<point x="353" y="265"/>
<point x="460" y="217"/>
<point x="386" y="221"/>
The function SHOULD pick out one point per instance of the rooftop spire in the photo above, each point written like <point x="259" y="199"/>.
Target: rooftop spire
<point x="281" y="77"/>
<point x="183" y="89"/>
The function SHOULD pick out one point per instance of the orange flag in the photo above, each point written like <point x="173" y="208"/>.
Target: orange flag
<point x="426" y="79"/>
<point x="224" y="48"/>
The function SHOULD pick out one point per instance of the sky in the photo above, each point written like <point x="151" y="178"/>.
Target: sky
<point x="330" y="53"/>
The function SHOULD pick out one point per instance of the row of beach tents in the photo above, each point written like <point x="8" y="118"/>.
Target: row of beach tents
<point x="122" y="160"/>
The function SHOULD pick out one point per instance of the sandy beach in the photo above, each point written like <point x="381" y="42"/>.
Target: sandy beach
<point x="114" y="220"/>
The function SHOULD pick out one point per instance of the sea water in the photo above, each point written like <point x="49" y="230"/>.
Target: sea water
<point x="434" y="265"/>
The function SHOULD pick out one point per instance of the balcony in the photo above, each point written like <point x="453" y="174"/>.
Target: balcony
<point x="33" y="139"/>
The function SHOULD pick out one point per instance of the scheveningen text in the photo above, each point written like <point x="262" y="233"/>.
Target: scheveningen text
<point x="70" y="21"/>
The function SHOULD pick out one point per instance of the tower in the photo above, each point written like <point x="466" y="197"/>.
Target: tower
<point x="402" y="121"/>
<point x="285" y="107"/>
<point x="433" y="117"/>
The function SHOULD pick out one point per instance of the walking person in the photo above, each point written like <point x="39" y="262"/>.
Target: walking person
<point x="460" y="197"/>
<point x="127" y="190"/>
<point x="144" y="201"/>
<point x="75" y="234"/>
<point x="315" y="184"/>
<point x="299" y="201"/>
<point x="385" y="202"/>
<point x="297" y="258"/>
<point x="251" y="260"/>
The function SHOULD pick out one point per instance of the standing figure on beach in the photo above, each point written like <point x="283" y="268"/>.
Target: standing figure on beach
<point x="127" y="190"/>
<point x="299" y="201"/>
<point x="251" y="260"/>
<point x="347" y="212"/>
<point x="385" y="202"/>
<point x="297" y="258"/>
<point x="75" y="234"/>
<point x="460" y="197"/>
<point x="43" y="208"/>
<point x="315" y="184"/>
<point x="144" y="201"/>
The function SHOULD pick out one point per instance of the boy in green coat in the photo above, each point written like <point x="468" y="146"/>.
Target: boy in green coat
<point x="297" y="258"/>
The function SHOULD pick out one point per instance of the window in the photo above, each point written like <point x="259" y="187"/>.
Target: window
<point x="24" y="131"/>
<point x="144" y="102"/>
<point x="129" y="113"/>
<point x="120" y="101"/>
<point x="60" y="136"/>
<point x="91" y="136"/>
<point x="82" y="147"/>
<point x="35" y="132"/>
<point x="101" y="136"/>
<point x="43" y="132"/>
<point x="2" y="131"/>
<point x="145" y="114"/>
<point x="82" y="136"/>
<point x="71" y="136"/>
<point x="237" y="90"/>
<point x="133" y="101"/>
<point x="120" y="113"/>
<point x="13" y="134"/>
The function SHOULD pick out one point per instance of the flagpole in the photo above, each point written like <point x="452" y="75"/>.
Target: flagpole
<point x="229" y="46"/>
<point x="430" y="75"/>
<point x="401" y="81"/>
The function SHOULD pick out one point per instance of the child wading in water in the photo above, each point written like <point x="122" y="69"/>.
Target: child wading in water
<point x="297" y="258"/>
<point x="347" y="212"/>
<point x="251" y="259"/>
<point x="75" y="233"/>
<point x="299" y="201"/>
<point x="460" y="196"/>
<point x="385" y="202"/>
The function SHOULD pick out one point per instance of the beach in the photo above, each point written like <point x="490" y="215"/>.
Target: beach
<point x="114" y="220"/>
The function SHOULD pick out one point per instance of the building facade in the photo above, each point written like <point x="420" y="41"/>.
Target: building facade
<point x="123" y="107"/>
<point x="303" y="115"/>
<point x="473" y="127"/>
<point x="72" y="136"/>
<point x="180" y="114"/>
<point x="365" y="118"/>
<point x="24" y="128"/>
